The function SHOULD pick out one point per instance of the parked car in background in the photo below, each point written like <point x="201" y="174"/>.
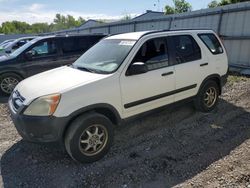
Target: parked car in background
<point x="5" y="43"/>
<point x="120" y="77"/>
<point x="41" y="54"/>
<point x="11" y="46"/>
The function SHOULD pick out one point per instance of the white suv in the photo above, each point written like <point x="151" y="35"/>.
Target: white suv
<point x="121" y="76"/>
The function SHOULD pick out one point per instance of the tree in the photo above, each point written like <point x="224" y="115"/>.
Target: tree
<point x="127" y="17"/>
<point x="169" y="9"/>
<point x="40" y="28"/>
<point x="60" y="22"/>
<point x="215" y="3"/>
<point x="180" y="6"/>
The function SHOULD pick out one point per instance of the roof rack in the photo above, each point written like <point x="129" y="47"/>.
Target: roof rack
<point x="78" y="34"/>
<point x="166" y="30"/>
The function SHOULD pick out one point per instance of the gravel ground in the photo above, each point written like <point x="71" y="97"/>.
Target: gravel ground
<point x="174" y="147"/>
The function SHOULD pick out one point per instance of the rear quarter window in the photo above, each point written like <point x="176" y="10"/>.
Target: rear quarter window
<point x="78" y="45"/>
<point x="70" y="45"/>
<point x="212" y="43"/>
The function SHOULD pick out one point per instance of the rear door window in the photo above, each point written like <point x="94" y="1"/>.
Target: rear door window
<point x="70" y="45"/>
<point x="212" y="43"/>
<point x="78" y="45"/>
<point x="185" y="48"/>
<point x="88" y="41"/>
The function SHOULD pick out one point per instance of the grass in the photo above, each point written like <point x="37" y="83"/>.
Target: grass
<point x="235" y="78"/>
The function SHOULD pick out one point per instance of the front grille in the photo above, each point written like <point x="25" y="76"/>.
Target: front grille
<point x="17" y="100"/>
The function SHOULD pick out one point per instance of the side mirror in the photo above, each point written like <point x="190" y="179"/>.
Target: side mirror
<point x="137" y="68"/>
<point x="28" y="55"/>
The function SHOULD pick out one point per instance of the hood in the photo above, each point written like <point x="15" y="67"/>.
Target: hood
<point x="4" y="58"/>
<point x="55" y="81"/>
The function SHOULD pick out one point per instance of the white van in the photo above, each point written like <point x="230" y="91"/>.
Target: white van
<point x="120" y="77"/>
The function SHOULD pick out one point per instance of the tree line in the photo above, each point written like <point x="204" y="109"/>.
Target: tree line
<point x="60" y="22"/>
<point x="181" y="6"/>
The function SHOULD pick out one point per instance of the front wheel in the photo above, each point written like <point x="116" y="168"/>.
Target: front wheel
<point x="89" y="137"/>
<point x="207" y="97"/>
<point x="8" y="82"/>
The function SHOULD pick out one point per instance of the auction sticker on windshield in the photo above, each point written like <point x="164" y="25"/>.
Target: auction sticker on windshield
<point x="127" y="43"/>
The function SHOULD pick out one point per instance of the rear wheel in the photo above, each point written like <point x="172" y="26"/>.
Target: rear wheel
<point x="8" y="82"/>
<point x="89" y="137"/>
<point x="207" y="97"/>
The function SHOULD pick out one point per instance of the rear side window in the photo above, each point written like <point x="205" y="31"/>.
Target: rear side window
<point x="86" y="42"/>
<point x="212" y="43"/>
<point x="78" y="45"/>
<point x="186" y="49"/>
<point x="70" y="45"/>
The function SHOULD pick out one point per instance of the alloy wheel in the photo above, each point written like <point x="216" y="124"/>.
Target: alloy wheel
<point x="210" y="97"/>
<point x="93" y="140"/>
<point x="8" y="84"/>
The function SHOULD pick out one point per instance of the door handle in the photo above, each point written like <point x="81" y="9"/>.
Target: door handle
<point x="167" y="73"/>
<point x="203" y="64"/>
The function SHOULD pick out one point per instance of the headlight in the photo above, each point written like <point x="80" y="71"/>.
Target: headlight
<point x="43" y="106"/>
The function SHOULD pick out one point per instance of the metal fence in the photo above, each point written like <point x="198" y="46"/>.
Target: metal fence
<point x="7" y="37"/>
<point x="231" y="22"/>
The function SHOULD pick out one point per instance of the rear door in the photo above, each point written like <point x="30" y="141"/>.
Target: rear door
<point x="216" y="53"/>
<point x="41" y="56"/>
<point x="191" y="65"/>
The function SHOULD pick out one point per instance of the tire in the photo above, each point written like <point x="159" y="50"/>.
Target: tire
<point x="8" y="78"/>
<point x="204" y="103"/>
<point x="82" y="134"/>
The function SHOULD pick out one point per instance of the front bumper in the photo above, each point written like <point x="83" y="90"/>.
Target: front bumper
<point x="38" y="129"/>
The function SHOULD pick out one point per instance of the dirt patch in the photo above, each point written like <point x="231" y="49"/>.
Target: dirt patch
<point x="174" y="147"/>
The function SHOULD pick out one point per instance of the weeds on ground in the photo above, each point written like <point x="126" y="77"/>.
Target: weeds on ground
<point x="235" y="78"/>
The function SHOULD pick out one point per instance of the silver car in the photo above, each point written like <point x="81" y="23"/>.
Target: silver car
<point x="10" y="46"/>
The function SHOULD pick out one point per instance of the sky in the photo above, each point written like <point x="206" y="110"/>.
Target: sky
<point x="33" y="11"/>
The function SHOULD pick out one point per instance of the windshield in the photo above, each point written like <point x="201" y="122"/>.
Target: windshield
<point x="105" y="57"/>
<point x="22" y="48"/>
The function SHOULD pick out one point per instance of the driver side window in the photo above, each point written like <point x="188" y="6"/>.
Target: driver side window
<point x="44" y="49"/>
<point x="153" y="53"/>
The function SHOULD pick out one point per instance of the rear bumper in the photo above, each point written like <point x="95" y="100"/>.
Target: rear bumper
<point x="38" y="129"/>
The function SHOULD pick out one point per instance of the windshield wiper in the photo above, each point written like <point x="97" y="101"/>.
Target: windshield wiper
<point x="90" y="70"/>
<point x="84" y="69"/>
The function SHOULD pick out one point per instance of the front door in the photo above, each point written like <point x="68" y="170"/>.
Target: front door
<point x="41" y="57"/>
<point x="152" y="89"/>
